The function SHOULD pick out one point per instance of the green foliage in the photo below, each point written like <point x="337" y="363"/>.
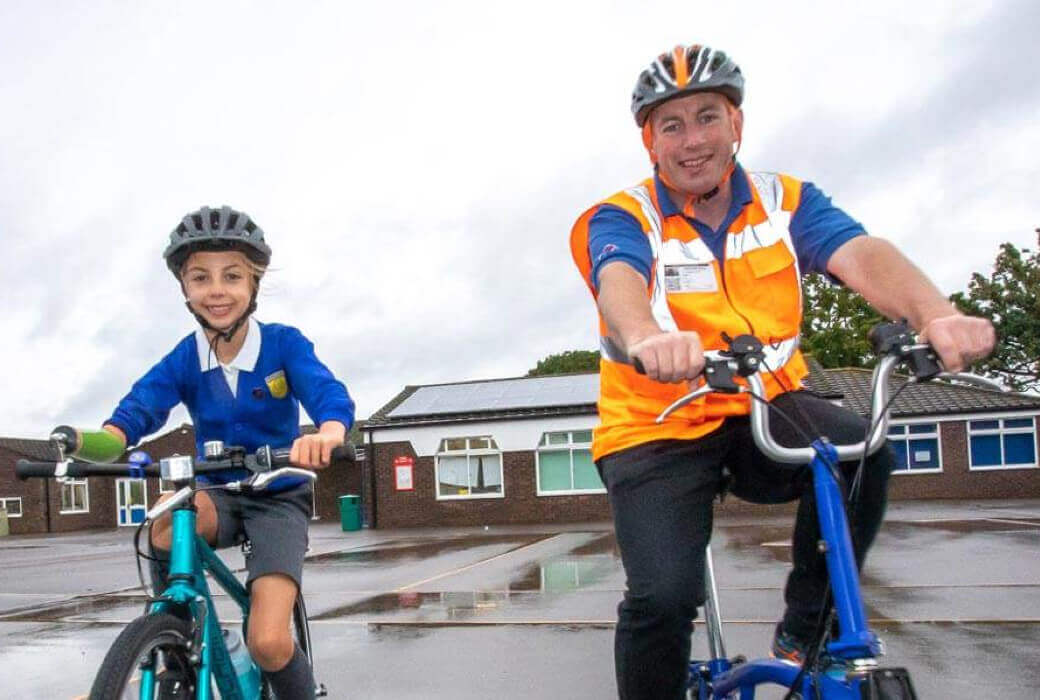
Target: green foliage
<point x="835" y="323"/>
<point x="1010" y="298"/>
<point x="567" y="362"/>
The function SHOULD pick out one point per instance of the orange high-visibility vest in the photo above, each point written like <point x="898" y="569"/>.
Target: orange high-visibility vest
<point x="756" y="290"/>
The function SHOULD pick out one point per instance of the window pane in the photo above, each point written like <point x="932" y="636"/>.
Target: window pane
<point x="985" y="450"/>
<point x="924" y="428"/>
<point x="899" y="447"/>
<point x="136" y="493"/>
<point x="1019" y="448"/>
<point x="557" y="438"/>
<point x="455" y="444"/>
<point x="1018" y="423"/>
<point x="582" y="436"/>
<point x="984" y="424"/>
<point x="924" y="454"/>
<point x="478" y="443"/>
<point x="14" y="506"/>
<point x="554" y="470"/>
<point x="897" y="430"/>
<point x="452" y="476"/>
<point x="485" y="474"/>
<point x="585" y="474"/>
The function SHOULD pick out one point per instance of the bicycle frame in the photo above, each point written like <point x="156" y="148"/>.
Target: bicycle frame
<point x="856" y="641"/>
<point x="190" y="558"/>
<point x="719" y="676"/>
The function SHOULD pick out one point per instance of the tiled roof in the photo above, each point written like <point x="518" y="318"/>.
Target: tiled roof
<point x="38" y="450"/>
<point x="850" y="386"/>
<point x="928" y="399"/>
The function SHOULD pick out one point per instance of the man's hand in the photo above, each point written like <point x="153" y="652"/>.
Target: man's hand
<point x="670" y="357"/>
<point x="314" y="451"/>
<point x="959" y="340"/>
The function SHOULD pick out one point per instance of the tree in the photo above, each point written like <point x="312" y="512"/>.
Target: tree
<point x="567" y="362"/>
<point x="1010" y="298"/>
<point x="835" y="323"/>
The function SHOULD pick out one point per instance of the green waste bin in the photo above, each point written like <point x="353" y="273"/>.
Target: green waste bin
<point x="4" y="527"/>
<point x="350" y="512"/>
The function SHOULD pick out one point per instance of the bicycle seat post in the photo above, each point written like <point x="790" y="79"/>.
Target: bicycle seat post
<point x="712" y="614"/>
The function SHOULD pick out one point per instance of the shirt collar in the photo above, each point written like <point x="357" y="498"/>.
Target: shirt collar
<point x="247" y="356"/>
<point x="739" y="189"/>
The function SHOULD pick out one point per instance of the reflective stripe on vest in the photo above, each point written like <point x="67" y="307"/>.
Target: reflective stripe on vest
<point x="755" y="289"/>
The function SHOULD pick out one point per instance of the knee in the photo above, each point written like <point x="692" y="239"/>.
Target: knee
<point x="666" y="604"/>
<point x="272" y="649"/>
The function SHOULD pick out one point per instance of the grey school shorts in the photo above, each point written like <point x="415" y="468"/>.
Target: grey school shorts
<point x="275" y="524"/>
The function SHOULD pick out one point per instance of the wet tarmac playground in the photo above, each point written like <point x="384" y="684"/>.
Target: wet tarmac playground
<point x="528" y="612"/>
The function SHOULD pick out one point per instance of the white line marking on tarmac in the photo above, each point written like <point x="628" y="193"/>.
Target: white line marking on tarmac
<point x="473" y="565"/>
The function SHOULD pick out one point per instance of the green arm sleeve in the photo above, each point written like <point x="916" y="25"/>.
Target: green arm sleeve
<point x="97" y="446"/>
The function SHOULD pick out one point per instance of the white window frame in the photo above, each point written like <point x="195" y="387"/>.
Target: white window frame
<point x="15" y="499"/>
<point x="468" y="452"/>
<point x="908" y="436"/>
<point x="166" y="486"/>
<point x="1001" y="431"/>
<point x="570" y="446"/>
<point x="73" y="483"/>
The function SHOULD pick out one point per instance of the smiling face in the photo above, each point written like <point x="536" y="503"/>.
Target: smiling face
<point x="218" y="286"/>
<point x="693" y="140"/>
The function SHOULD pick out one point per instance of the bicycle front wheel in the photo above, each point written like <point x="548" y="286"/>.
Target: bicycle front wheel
<point x="151" y="654"/>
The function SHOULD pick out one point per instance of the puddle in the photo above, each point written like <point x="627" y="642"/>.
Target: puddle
<point x="581" y="567"/>
<point x="449" y="604"/>
<point x="407" y="550"/>
<point x="78" y="607"/>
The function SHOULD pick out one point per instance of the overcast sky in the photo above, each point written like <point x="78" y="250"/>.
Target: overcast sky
<point x="417" y="166"/>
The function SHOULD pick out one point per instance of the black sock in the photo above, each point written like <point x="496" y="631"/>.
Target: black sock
<point x="295" y="681"/>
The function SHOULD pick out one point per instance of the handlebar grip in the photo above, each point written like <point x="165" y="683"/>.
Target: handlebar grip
<point x="280" y="457"/>
<point x="344" y="452"/>
<point x="638" y="365"/>
<point x="24" y="469"/>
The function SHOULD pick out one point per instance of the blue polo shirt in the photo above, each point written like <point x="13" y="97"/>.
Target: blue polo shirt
<point x="264" y="409"/>
<point x="818" y="228"/>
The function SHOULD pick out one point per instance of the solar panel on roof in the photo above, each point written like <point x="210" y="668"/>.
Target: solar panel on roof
<point x="533" y="392"/>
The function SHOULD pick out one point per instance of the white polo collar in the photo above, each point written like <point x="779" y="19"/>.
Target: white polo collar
<point x="247" y="355"/>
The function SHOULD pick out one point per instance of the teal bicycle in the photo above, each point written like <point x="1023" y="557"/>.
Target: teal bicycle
<point x="177" y="650"/>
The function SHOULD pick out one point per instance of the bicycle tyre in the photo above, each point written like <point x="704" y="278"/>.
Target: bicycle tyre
<point x="162" y="638"/>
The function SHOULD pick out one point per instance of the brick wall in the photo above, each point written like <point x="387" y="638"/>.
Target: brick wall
<point x="957" y="481"/>
<point x="34" y="517"/>
<point x="420" y="507"/>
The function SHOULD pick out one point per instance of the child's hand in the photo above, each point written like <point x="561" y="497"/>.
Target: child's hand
<point x="314" y="451"/>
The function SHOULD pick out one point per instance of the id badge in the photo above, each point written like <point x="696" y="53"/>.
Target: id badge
<point x="680" y="279"/>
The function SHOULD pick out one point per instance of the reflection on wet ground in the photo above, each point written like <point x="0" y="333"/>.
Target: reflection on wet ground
<point x="1027" y="526"/>
<point x="581" y="566"/>
<point x="410" y="549"/>
<point x="78" y="607"/>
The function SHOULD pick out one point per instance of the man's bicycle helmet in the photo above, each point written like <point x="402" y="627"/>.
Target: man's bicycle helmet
<point x="687" y="69"/>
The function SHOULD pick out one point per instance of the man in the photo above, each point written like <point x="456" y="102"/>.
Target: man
<point x="703" y="250"/>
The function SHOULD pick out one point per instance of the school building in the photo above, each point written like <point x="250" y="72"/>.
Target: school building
<point x="518" y="450"/>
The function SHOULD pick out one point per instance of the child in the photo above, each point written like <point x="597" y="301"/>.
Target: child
<point x="242" y="382"/>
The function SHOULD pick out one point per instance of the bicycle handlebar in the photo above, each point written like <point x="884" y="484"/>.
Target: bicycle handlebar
<point x="265" y="462"/>
<point x="893" y="341"/>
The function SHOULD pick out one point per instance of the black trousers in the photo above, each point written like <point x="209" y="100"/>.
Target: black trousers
<point x="662" y="495"/>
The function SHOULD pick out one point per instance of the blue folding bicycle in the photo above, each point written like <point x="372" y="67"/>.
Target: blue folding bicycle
<point x="855" y="645"/>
